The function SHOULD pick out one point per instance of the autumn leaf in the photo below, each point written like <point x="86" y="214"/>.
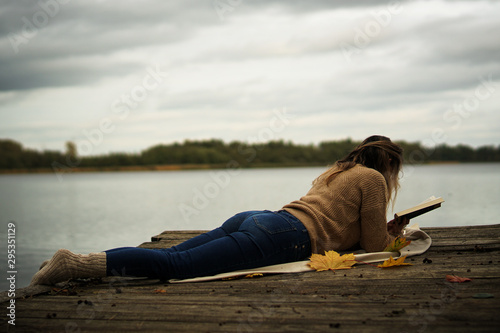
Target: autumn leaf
<point x="331" y="261"/>
<point x="254" y="275"/>
<point x="391" y="262"/>
<point x="160" y="291"/>
<point x="397" y="244"/>
<point x="248" y="276"/>
<point x="458" y="279"/>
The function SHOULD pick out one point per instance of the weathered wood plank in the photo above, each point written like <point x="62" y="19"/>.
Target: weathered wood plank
<point x="176" y="235"/>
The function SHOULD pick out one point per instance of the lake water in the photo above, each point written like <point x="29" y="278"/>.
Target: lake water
<point x="89" y="212"/>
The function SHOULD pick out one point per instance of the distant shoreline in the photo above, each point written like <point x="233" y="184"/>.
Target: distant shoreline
<point x="182" y="167"/>
<point x="114" y="169"/>
<point x="167" y="167"/>
<point x="217" y="154"/>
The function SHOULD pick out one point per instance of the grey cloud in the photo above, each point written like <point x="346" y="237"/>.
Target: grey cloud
<point x="92" y="16"/>
<point x="423" y="60"/>
<point x="82" y="29"/>
<point x="463" y="40"/>
<point x="36" y="74"/>
<point x="79" y="32"/>
<point x="303" y="6"/>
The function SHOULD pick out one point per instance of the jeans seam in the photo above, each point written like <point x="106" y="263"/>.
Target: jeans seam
<point x="290" y="226"/>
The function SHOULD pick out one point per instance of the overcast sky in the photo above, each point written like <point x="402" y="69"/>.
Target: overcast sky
<point x="121" y="76"/>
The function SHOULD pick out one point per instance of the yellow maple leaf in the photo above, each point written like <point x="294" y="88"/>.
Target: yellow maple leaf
<point x="160" y="291"/>
<point x="391" y="262"/>
<point x="397" y="244"/>
<point x="331" y="260"/>
<point x="253" y="275"/>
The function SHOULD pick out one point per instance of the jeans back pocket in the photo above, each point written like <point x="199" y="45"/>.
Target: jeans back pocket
<point x="273" y="223"/>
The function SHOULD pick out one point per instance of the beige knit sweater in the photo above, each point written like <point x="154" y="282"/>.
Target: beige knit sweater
<point x="351" y="210"/>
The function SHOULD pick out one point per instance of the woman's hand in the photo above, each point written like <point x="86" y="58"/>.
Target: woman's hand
<point x="395" y="226"/>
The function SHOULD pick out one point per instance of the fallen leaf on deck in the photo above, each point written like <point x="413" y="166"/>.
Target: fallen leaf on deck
<point x="391" y="262"/>
<point x="397" y="244"/>
<point x="457" y="279"/>
<point x="254" y="275"/>
<point x="331" y="261"/>
<point x="230" y="278"/>
<point x="160" y="291"/>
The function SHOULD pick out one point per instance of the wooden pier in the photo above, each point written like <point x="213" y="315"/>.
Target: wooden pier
<point x="364" y="299"/>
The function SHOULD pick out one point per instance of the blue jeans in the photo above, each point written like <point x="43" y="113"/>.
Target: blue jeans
<point x="247" y="240"/>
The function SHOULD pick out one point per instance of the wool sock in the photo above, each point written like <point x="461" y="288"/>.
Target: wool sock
<point x="66" y="265"/>
<point x="43" y="264"/>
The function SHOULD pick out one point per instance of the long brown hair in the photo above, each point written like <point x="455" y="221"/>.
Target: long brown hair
<point x="376" y="152"/>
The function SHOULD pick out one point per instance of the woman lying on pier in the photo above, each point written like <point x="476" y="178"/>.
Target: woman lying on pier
<point x="346" y="207"/>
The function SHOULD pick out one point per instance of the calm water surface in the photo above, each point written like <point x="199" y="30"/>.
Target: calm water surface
<point x="89" y="212"/>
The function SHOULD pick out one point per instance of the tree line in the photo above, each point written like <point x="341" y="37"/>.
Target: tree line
<point x="217" y="153"/>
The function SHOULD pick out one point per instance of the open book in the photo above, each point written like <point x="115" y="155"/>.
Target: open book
<point x="422" y="208"/>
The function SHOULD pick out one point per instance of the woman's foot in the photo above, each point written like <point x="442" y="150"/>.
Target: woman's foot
<point x="44" y="264"/>
<point x="66" y="265"/>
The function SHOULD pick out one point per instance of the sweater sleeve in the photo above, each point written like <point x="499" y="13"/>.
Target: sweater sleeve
<point x="374" y="236"/>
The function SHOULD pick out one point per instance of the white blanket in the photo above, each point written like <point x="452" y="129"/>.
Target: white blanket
<point x="420" y="242"/>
